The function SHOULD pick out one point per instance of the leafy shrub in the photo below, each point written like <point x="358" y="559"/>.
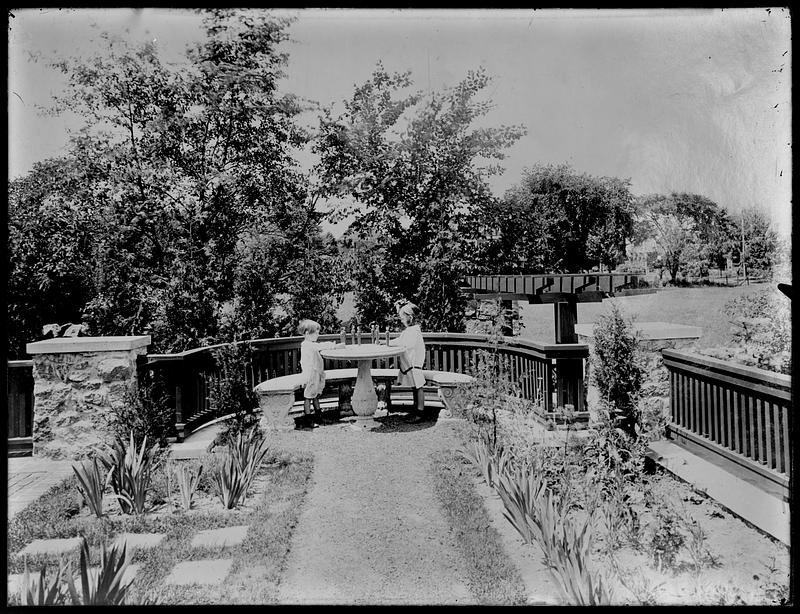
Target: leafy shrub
<point x="188" y="481"/>
<point x="241" y="460"/>
<point x="92" y="484"/>
<point x="761" y="324"/>
<point x="103" y="586"/>
<point x="666" y="539"/>
<point x="537" y="513"/>
<point x="616" y="366"/>
<point x="229" y="482"/>
<point x="145" y="412"/>
<point x="229" y="393"/>
<point x="519" y="429"/>
<point x="518" y="489"/>
<point x="479" y="454"/>
<point x="615" y="458"/>
<point x="131" y="473"/>
<point x="697" y="545"/>
<point x="38" y="590"/>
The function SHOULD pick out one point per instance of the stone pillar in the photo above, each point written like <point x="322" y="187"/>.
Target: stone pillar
<point x="79" y="384"/>
<point x="482" y="315"/>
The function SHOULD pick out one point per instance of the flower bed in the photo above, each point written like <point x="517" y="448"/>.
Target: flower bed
<point x="271" y="510"/>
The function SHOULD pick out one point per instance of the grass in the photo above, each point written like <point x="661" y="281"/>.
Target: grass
<point x="257" y="562"/>
<point x="698" y="306"/>
<point x="492" y="577"/>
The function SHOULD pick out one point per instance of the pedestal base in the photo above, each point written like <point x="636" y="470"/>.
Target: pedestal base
<point x="364" y="400"/>
<point x="361" y="423"/>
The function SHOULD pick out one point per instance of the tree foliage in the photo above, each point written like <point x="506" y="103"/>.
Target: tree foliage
<point x="188" y="173"/>
<point x="556" y="220"/>
<point x="693" y="233"/>
<point x="616" y="366"/>
<point x="407" y="169"/>
<point x="51" y="250"/>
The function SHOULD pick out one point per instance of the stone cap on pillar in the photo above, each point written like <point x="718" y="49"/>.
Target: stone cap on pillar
<point x="654" y="335"/>
<point x="651" y="330"/>
<point x="73" y="345"/>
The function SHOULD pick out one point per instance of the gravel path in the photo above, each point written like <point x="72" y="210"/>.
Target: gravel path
<point x="371" y="531"/>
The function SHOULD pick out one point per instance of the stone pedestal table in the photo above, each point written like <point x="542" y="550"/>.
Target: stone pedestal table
<point x="364" y="400"/>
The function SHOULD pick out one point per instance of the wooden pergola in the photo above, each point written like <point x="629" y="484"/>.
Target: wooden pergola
<point x="563" y="290"/>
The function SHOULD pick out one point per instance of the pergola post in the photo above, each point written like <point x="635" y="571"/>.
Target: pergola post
<point x="565" y="316"/>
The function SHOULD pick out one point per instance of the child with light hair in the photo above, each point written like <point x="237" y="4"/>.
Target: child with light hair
<point x="313" y="367"/>
<point x="413" y="359"/>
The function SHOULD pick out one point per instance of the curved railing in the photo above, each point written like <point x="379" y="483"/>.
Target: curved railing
<point x="550" y="375"/>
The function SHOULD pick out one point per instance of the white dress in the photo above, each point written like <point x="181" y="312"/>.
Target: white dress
<point x="413" y="359"/>
<point x="313" y="367"/>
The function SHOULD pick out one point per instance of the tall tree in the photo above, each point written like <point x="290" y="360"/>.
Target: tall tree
<point x="191" y="165"/>
<point x="694" y="234"/>
<point x="409" y="168"/>
<point x="50" y="247"/>
<point x="557" y="220"/>
<point x="754" y="240"/>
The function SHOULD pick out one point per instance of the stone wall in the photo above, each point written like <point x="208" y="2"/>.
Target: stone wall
<point x="481" y="316"/>
<point x="79" y="385"/>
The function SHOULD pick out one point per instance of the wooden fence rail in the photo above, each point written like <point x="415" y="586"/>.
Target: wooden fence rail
<point x="550" y="375"/>
<point x="20" y="406"/>
<point x="741" y="413"/>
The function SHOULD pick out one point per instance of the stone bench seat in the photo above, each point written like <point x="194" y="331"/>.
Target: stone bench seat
<point x="276" y="396"/>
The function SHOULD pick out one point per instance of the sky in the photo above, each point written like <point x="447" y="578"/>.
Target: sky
<point x="690" y="100"/>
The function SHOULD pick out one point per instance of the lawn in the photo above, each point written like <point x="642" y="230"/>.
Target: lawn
<point x="698" y="306"/>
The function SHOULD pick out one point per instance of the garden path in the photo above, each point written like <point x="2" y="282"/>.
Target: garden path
<point x="371" y="531"/>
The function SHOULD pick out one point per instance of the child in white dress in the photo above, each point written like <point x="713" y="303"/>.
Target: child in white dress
<point x="413" y="359"/>
<point x="312" y="365"/>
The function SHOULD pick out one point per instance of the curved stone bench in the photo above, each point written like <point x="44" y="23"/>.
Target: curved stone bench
<point x="276" y="396"/>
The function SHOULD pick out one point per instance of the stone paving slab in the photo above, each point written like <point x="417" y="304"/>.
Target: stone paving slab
<point x="205" y="571"/>
<point x="51" y="546"/>
<point x="140" y="540"/>
<point x="220" y="538"/>
<point x="29" y="478"/>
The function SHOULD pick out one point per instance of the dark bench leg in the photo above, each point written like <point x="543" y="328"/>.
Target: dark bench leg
<point x="345" y="394"/>
<point x="384" y="390"/>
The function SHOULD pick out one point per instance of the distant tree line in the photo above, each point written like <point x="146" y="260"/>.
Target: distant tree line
<point x="180" y="210"/>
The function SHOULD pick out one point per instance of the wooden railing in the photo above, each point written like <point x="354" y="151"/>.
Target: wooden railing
<point x="20" y="406"/>
<point x="741" y="413"/>
<point x="550" y="375"/>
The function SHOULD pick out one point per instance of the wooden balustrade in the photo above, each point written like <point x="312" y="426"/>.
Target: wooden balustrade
<point x="20" y="406"/>
<point x="550" y="375"/>
<point x="741" y="413"/>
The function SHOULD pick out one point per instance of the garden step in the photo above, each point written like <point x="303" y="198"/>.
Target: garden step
<point x="140" y="540"/>
<point x="205" y="571"/>
<point x="220" y="538"/>
<point x="51" y="546"/>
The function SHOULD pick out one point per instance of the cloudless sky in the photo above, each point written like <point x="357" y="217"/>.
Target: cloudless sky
<point x="689" y="100"/>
